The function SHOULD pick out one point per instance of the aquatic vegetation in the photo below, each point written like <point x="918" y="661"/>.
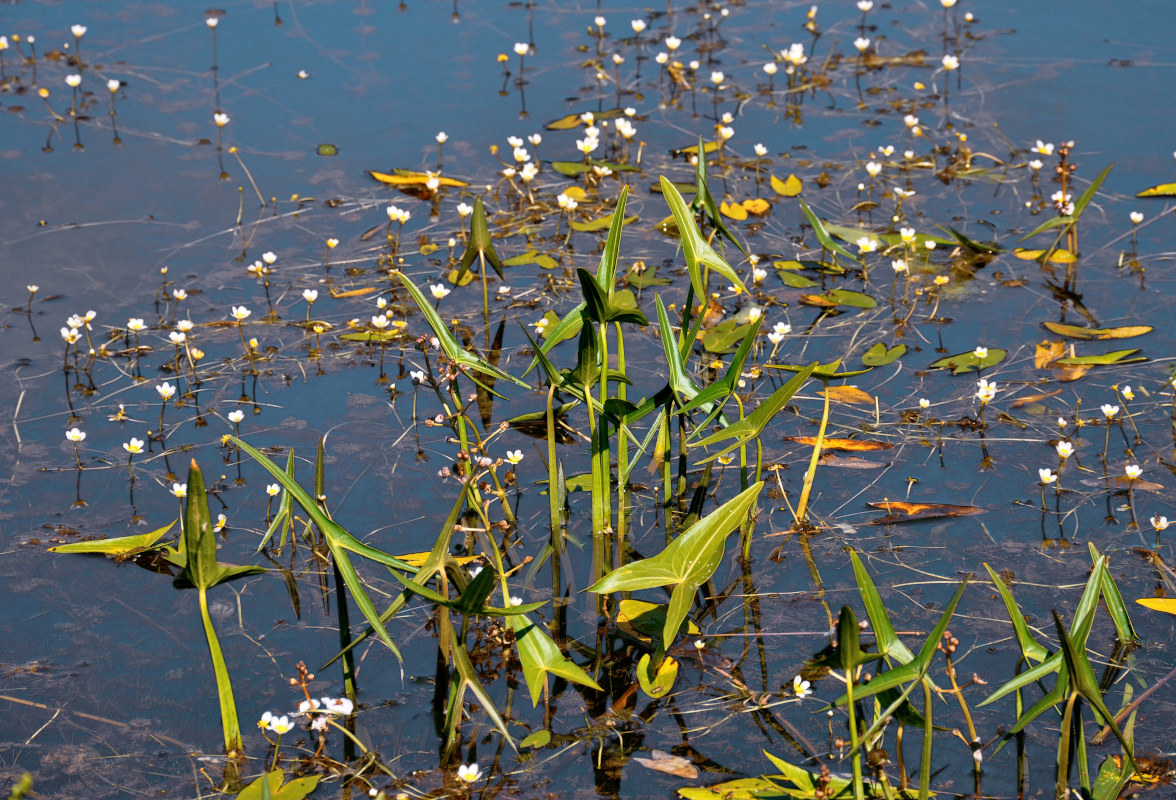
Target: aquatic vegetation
<point x="534" y="481"/>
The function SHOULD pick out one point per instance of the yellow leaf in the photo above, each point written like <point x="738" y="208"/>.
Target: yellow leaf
<point x="418" y="559"/>
<point x="577" y="193"/>
<point x="1163" y="190"/>
<point x="1047" y="353"/>
<point x="413" y="179"/>
<point x="757" y="206"/>
<point x="1033" y="398"/>
<point x="789" y="187"/>
<point x="848" y="394"/>
<point x="852" y="445"/>
<point x="733" y="210"/>
<point x="1058" y="256"/>
<point x="354" y="292"/>
<point x="1167" y="605"/>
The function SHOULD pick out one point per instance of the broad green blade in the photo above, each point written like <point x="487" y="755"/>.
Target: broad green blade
<point x="698" y="253"/>
<point x="480" y="243"/>
<point x="118" y="546"/>
<point x="750" y="427"/>
<point x="1031" y="649"/>
<point x="540" y="656"/>
<point x="889" y="645"/>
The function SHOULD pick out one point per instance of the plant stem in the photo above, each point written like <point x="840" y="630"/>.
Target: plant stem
<point x="802" y="506"/>
<point x="224" y="687"/>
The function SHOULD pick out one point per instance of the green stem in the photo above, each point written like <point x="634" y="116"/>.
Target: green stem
<point x="802" y="506"/>
<point x="859" y="791"/>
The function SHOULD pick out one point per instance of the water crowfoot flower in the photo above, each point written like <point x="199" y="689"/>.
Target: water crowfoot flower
<point x="1046" y="475"/>
<point x="470" y="773"/>
<point x="1132" y="471"/>
<point x="801" y="688"/>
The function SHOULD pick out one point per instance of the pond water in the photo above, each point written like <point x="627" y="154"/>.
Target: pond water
<point x="119" y="194"/>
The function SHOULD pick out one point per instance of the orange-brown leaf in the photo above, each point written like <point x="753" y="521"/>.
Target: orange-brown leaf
<point x="414" y="179"/>
<point x="852" y="445"/>
<point x="899" y="511"/>
<point x="1033" y="398"/>
<point x="1048" y="352"/>
<point x="848" y="394"/>
<point x="354" y="292"/>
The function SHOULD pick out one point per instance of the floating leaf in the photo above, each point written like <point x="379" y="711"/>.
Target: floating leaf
<point x="118" y="546"/>
<point x="531" y="257"/>
<point x="327" y="150"/>
<point x="965" y="362"/>
<point x="847" y="394"/>
<point x="417" y="560"/>
<point x="574" y="120"/>
<point x="270" y="785"/>
<point x="404" y="177"/>
<point x="540" y="738"/>
<point x="708" y="147"/>
<point x="574" y="169"/>
<point x="1046" y="353"/>
<point x="723" y="337"/>
<point x="848" y="462"/>
<point x="354" y="292"/>
<point x="757" y="206"/>
<point x="644" y="620"/>
<point x="795" y="280"/>
<point x="898" y="511"/>
<point x="1105" y="359"/>
<point x="839" y="297"/>
<point x="1165" y="604"/>
<point x="851" y="445"/>
<point x="879" y="356"/>
<point x="888" y="239"/>
<point x="599" y="224"/>
<point x="669" y="764"/>
<point x="1033" y="398"/>
<point x="735" y="211"/>
<point x="789" y="187"/>
<point x="1059" y="256"/>
<point x="645" y="278"/>
<point x="1160" y="190"/>
<point x="661" y="682"/>
<point x="457" y="279"/>
<point x="1079" y="332"/>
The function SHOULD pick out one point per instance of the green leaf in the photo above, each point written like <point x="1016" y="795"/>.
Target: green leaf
<point x="879" y="356"/>
<point x="823" y="233"/>
<point x="453" y="350"/>
<point x="752" y="426"/>
<point x="1113" y="599"/>
<point x="271" y="783"/>
<point x="118" y="546"/>
<point x="338" y="540"/>
<point x="1106" y="359"/>
<point x="1031" y="649"/>
<point x="659" y="683"/>
<point x="1160" y="190"/>
<point x="1079" y="332"/>
<point x="606" y="273"/>
<point x="540" y="738"/>
<point x="480" y="245"/>
<point x="540" y="656"/>
<point x="722" y="337"/>
<point x="285" y="507"/>
<point x="601" y="223"/>
<point x="966" y="362"/>
<point x="889" y="645"/>
<point x="687" y="563"/>
<point x="463" y="603"/>
<point x="698" y="253"/>
<point x="646" y="620"/>
<point x="574" y="169"/>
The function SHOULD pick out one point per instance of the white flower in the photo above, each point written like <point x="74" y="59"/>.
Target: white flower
<point x="273" y="490"/>
<point x="947" y="3"/>
<point x="924" y="402"/>
<point x="950" y="62"/>
<point x="673" y="43"/>
<point x="185" y="325"/>
<point x="1132" y="471"/>
<point x="638" y="25"/>
<point x="758" y="275"/>
<point x="899" y="265"/>
<point x="179" y="294"/>
<point x="662" y="58"/>
<point x="1127" y="393"/>
<point x="1065" y="449"/>
<point x="1136" y="217"/>
<point x="503" y="289"/>
<point x="1046" y="475"/>
<point x="442" y="137"/>
<point x="73" y="81"/>
<point x="600" y="21"/>
<point x="862" y="44"/>
<point x="469" y="773"/>
<point x="980" y="352"/>
<point x="280" y="725"/>
<point x="801" y="687"/>
<point x="464" y="209"/>
<point x="113" y="85"/>
<point x="177" y="337"/>
<point x="341" y="705"/>
<point x="236" y="416"/>
<point x="310" y="295"/>
<point x="1159" y="523"/>
<point x="439" y="290"/>
<point x="240" y="313"/>
<point x="264" y="722"/>
<point x="865" y="5"/>
<point x="221" y="119"/>
<point x="78" y="31"/>
<point x="873" y="167"/>
<point x="907" y="235"/>
<point x="212" y="22"/>
<point x="910" y="120"/>
<point x="516" y="601"/>
<point x="166" y="390"/>
<point x="133" y="446"/>
<point x="221" y="521"/>
<point x="726" y="132"/>
<point x="380" y="322"/>
<point x="521" y="48"/>
<point x="70" y="335"/>
<point x="33" y="288"/>
<point x="418" y="376"/>
<point x="986" y="391"/>
<point x="535" y="139"/>
<point x="1043" y="148"/>
<point x="760" y="150"/>
<point x="75" y="434"/>
<point x="180" y="489"/>
<point x="1035" y="164"/>
<point x="867" y="244"/>
<point x="514" y="456"/>
<point x="1109" y="411"/>
<point x="308" y="706"/>
<point x="717" y="77"/>
<point x="566" y="202"/>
